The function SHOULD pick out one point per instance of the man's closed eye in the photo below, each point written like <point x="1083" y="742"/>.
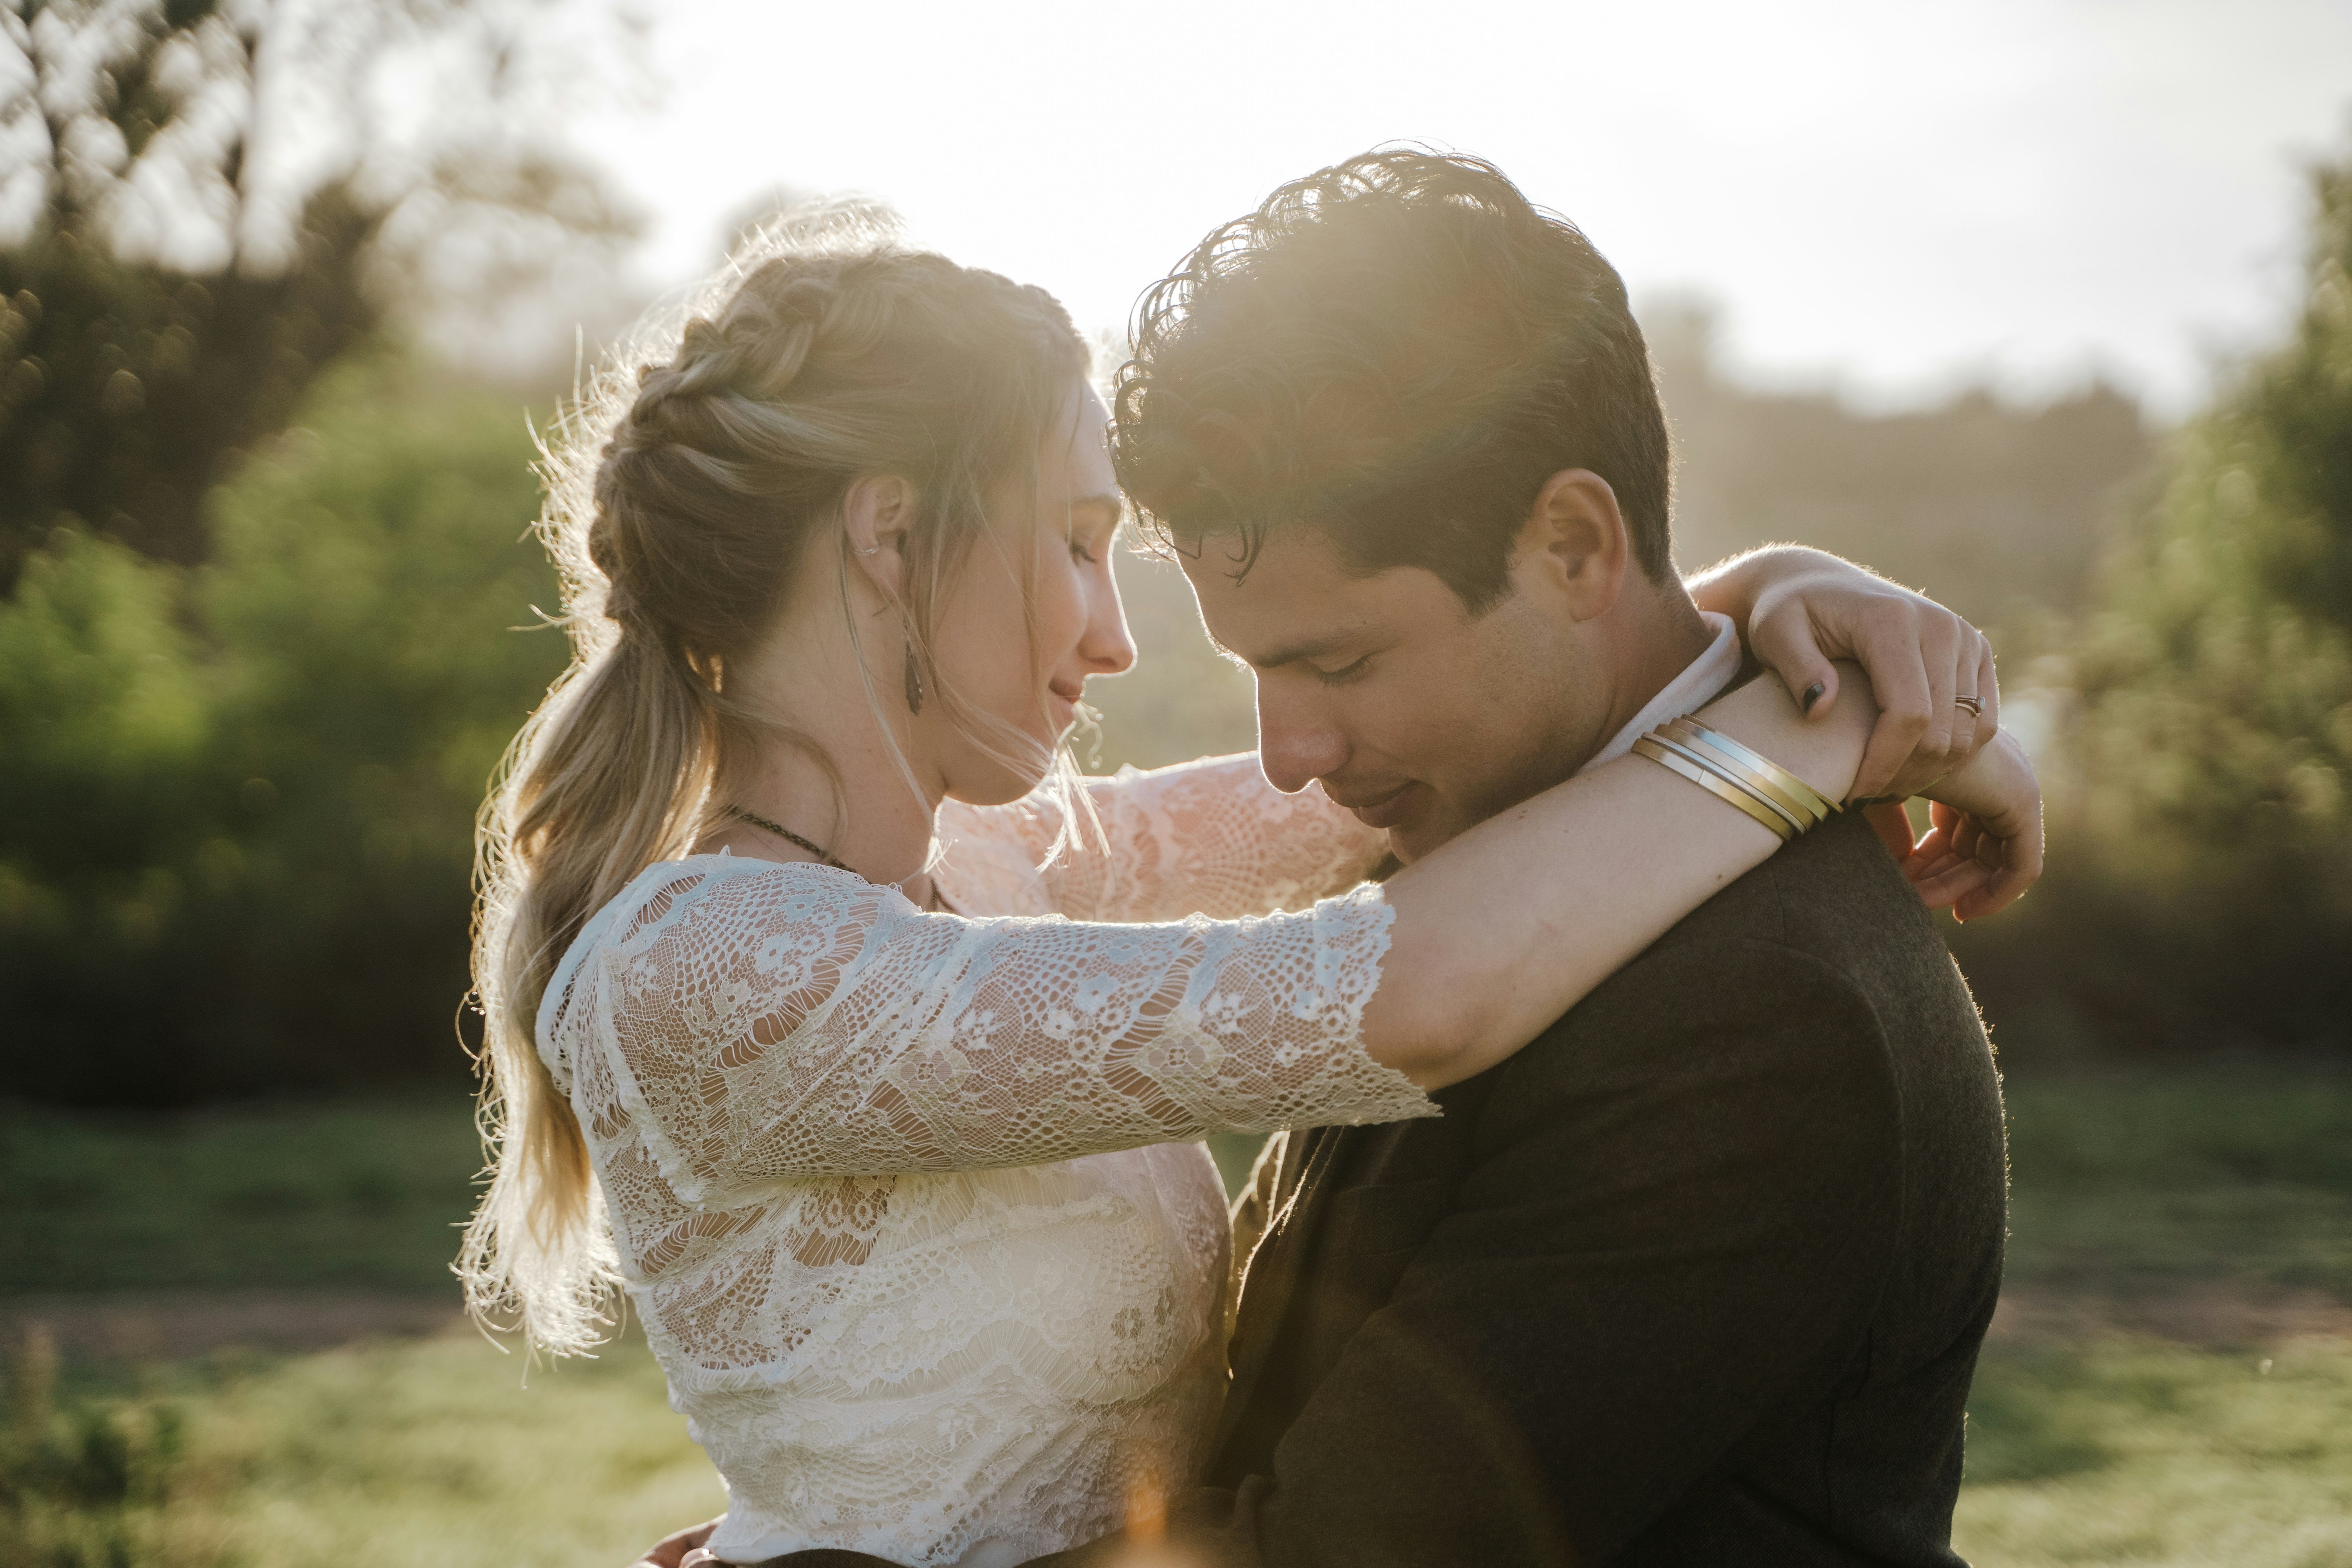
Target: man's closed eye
<point x="1344" y="674"/>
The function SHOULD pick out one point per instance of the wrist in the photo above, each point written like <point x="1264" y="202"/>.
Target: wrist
<point x="1996" y="780"/>
<point x="1826" y="752"/>
<point x="1729" y="587"/>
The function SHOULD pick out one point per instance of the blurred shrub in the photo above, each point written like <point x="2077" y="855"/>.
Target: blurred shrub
<point x="2202" y="866"/>
<point x="81" y="1480"/>
<point x="236" y="800"/>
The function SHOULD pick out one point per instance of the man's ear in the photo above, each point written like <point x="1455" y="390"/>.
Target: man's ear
<point x="875" y="516"/>
<point x="1575" y="539"/>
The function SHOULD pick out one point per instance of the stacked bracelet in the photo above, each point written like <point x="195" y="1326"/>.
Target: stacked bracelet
<point x="1729" y="771"/>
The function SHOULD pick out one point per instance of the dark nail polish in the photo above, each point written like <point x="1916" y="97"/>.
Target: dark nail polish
<point x="1814" y="694"/>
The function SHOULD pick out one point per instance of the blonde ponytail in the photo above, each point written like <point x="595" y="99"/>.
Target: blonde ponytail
<point x="602" y="781"/>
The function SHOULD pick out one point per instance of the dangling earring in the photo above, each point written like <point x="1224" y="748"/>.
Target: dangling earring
<point x="914" y="674"/>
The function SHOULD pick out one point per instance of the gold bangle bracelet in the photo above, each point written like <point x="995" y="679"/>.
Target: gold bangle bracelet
<point x="1737" y="777"/>
<point x="1715" y="751"/>
<point x="1774" y="779"/>
<point x="1676" y="762"/>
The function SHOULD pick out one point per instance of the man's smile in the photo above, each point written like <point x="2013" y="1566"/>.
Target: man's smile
<point x="1377" y="807"/>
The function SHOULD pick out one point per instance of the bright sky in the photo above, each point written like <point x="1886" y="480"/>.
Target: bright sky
<point x="1896" y="197"/>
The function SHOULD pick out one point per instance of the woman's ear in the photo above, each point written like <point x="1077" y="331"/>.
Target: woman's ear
<point x="876" y="517"/>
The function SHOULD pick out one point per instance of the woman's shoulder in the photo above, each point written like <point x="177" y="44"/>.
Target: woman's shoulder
<point x="713" y="895"/>
<point x="671" y="891"/>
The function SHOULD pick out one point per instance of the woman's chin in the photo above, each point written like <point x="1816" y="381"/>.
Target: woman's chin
<point x="995" y="783"/>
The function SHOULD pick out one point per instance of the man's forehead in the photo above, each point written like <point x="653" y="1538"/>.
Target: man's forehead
<point x="1290" y="572"/>
<point x="1296" y="599"/>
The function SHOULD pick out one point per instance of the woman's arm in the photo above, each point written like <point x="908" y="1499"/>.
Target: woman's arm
<point x="1983" y="849"/>
<point x="748" y="1022"/>
<point x="1507" y="926"/>
<point x="771" y="1022"/>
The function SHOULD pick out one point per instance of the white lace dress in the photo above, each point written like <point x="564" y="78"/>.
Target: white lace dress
<point x="906" y="1201"/>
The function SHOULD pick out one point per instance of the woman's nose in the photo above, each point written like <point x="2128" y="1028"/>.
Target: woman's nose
<point x="1108" y="647"/>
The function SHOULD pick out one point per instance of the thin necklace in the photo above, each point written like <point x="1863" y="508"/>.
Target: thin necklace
<point x="934" y="902"/>
<point x="781" y="831"/>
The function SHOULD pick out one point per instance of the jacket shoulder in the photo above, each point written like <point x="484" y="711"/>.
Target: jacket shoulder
<point x="1827" y="935"/>
<point x="1835" y="893"/>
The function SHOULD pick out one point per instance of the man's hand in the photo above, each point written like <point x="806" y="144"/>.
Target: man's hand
<point x="1801" y="609"/>
<point x="670" y="1551"/>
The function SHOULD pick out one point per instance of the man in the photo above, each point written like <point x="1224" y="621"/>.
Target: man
<point x="1700" y="1275"/>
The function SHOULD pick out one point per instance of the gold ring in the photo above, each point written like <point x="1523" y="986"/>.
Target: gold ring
<point x="1975" y="707"/>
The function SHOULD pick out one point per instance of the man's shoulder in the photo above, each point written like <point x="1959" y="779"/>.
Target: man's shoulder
<point x="1826" y="936"/>
<point x="1835" y="893"/>
<point x="1834" y="908"/>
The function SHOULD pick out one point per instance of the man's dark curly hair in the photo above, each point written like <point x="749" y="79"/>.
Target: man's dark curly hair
<point x="1397" y="351"/>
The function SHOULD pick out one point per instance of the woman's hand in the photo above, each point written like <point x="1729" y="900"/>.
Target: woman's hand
<point x="1800" y="609"/>
<point x="1983" y="849"/>
<point x="672" y="1551"/>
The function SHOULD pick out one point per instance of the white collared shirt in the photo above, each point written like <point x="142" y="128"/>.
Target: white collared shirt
<point x="1700" y="683"/>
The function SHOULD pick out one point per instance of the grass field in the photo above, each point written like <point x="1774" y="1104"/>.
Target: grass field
<point x="2233" y="1173"/>
<point x="2128" y="1449"/>
<point x="2190" y="1399"/>
<point x="352" y="1194"/>
<point x="2180" y="1394"/>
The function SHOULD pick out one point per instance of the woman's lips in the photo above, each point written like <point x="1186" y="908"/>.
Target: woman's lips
<point x="1387" y="810"/>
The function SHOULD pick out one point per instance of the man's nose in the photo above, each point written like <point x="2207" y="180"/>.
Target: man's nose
<point x="1296" y="744"/>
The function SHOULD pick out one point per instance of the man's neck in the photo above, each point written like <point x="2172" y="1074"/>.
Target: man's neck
<point x="1661" y="635"/>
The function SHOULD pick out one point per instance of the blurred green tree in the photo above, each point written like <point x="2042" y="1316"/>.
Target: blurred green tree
<point x="2208" y="882"/>
<point x="205" y="202"/>
<point x="237" y="803"/>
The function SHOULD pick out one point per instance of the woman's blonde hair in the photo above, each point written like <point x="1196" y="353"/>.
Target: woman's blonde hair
<point x="681" y="497"/>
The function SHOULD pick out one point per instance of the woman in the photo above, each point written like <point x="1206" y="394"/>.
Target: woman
<point x="880" y="1044"/>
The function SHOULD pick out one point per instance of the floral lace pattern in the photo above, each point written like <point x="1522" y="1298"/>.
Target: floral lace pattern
<point x="902" y="1198"/>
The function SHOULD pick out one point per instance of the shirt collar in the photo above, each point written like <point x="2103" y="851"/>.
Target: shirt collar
<point x="1699" y="684"/>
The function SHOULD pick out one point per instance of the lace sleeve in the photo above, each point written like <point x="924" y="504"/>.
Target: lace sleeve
<point x="761" y="1022"/>
<point x="1209" y="837"/>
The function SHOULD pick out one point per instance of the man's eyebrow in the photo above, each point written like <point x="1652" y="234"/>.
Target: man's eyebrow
<point x="1313" y="647"/>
